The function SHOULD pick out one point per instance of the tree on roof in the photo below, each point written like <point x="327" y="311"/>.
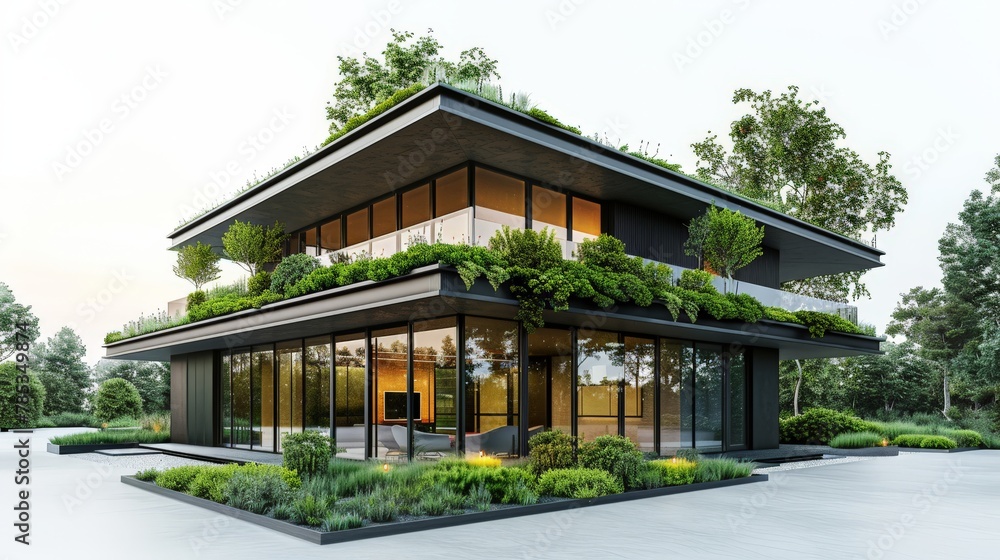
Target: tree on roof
<point x="367" y="82"/>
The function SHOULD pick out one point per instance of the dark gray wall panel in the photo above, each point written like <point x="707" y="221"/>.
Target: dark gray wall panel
<point x="178" y="398"/>
<point x="764" y="398"/>
<point x="200" y="398"/>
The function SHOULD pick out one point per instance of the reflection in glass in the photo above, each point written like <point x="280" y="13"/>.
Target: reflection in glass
<point x="329" y="236"/>
<point x="600" y="369"/>
<point x="389" y="391"/>
<point x="675" y="396"/>
<point x="708" y="396"/>
<point x="262" y="382"/>
<point x="639" y="387"/>
<point x="550" y="379"/>
<point x="737" y="400"/>
<point x="317" y="406"/>
<point x="226" y="404"/>
<point x="435" y="374"/>
<point x="491" y="374"/>
<point x="384" y="217"/>
<point x="349" y="415"/>
<point x="241" y="399"/>
<point x="289" y="388"/>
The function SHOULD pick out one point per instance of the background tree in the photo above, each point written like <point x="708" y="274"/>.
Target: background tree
<point x="251" y="246"/>
<point x="367" y="82"/>
<point x="786" y="153"/>
<point x="17" y="323"/>
<point x="151" y="379"/>
<point x="940" y="325"/>
<point x="59" y="365"/>
<point x="197" y="264"/>
<point x="117" y="398"/>
<point x="12" y="415"/>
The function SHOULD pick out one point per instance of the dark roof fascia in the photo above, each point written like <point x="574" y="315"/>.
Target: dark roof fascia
<point x="465" y="105"/>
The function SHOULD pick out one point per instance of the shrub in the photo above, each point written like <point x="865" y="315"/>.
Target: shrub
<point x="211" y="482"/>
<point x="486" y="461"/>
<point x="341" y="521"/>
<point x="178" y="478"/>
<point x="116" y="398"/>
<point x="966" y="438"/>
<point x="290" y="270"/>
<point x="710" y="470"/>
<point x="73" y="419"/>
<point x="259" y="282"/>
<point x="892" y="430"/>
<point x="195" y="298"/>
<point x="924" y="441"/>
<point x="109" y="437"/>
<point x="148" y="475"/>
<point x="817" y="426"/>
<point x="616" y="455"/>
<point x="520" y="491"/>
<point x="18" y="410"/>
<point x="479" y="497"/>
<point x="819" y="322"/>
<point x="856" y="440"/>
<point x="674" y="472"/>
<point x="306" y="452"/>
<point x="697" y="281"/>
<point x="379" y="505"/>
<point x="550" y="450"/>
<point x="578" y="483"/>
<point x="308" y="510"/>
<point x="440" y="500"/>
<point x="257" y="490"/>
<point x="549" y="119"/>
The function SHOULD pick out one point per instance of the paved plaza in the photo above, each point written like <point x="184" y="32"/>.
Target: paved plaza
<point x="914" y="506"/>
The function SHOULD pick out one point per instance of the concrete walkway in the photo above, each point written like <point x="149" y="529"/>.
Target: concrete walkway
<point x="912" y="506"/>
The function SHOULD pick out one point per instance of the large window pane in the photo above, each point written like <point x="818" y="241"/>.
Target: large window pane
<point x="357" y="227"/>
<point x="708" y="397"/>
<point x="435" y="374"/>
<point x="329" y="236"/>
<point x="548" y="210"/>
<point x="389" y="389"/>
<point x="675" y="396"/>
<point x="550" y="380"/>
<point x="350" y="393"/>
<point x="451" y="192"/>
<point x="491" y="385"/>
<point x="416" y="206"/>
<point x="226" y="404"/>
<point x="499" y="192"/>
<point x="318" y="384"/>
<point x="384" y="217"/>
<point x="639" y="388"/>
<point x="289" y="388"/>
<point x="586" y="219"/>
<point x="262" y="372"/>
<point x="601" y="367"/>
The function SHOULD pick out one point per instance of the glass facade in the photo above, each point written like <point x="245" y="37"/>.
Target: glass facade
<point x="453" y="384"/>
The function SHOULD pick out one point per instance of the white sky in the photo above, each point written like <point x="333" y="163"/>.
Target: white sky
<point x="87" y="247"/>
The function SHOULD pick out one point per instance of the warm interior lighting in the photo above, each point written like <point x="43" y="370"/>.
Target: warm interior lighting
<point x="885" y="443"/>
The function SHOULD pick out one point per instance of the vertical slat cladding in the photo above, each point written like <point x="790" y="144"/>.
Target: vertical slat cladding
<point x="178" y="399"/>
<point x="651" y="235"/>
<point x="655" y="236"/>
<point x="199" y="398"/>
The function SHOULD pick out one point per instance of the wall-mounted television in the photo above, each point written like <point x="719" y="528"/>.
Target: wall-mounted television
<point x="395" y="406"/>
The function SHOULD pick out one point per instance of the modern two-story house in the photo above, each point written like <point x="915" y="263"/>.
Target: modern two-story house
<point x="420" y="363"/>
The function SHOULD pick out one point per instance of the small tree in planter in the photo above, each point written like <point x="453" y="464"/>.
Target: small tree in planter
<point x="197" y="264"/>
<point x="251" y="246"/>
<point x="724" y="241"/>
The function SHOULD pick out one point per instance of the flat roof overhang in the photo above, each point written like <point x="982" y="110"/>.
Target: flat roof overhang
<point x="437" y="291"/>
<point x="442" y="127"/>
